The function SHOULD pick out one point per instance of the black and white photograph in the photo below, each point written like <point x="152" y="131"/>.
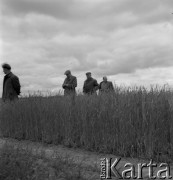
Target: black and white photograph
<point x="86" y="89"/>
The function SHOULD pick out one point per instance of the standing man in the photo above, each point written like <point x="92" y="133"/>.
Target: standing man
<point x="70" y="83"/>
<point x="90" y="85"/>
<point x="106" y="86"/>
<point x="11" y="84"/>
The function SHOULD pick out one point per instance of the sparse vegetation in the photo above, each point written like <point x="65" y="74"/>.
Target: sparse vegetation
<point x="18" y="164"/>
<point x="132" y="122"/>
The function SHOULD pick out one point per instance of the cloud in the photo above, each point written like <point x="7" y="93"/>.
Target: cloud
<point x="146" y="77"/>
<point x="41" y="39"/>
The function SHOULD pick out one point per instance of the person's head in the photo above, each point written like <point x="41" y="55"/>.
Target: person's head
<point x="88" y="75"/>
<point x="6" y="68"/>
<point x="105" y="79"/>
<point x="67" y="73"/>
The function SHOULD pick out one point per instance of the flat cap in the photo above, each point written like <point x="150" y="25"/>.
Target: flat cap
<point x="6" y="66"/>
<point x="67" y="72"/>
<point x="88" y="73"/>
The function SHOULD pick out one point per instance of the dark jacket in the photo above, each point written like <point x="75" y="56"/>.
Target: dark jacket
<point x="69" y="85"/>
<point x="11" y="87"/>
<point x="106" y="86"/>
<point x="90" y="86"/>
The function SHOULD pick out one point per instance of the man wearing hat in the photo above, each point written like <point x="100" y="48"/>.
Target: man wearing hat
<point x="70" y="83"/>
<point x="105" y="86"/>
<point x="11" y="84"/>
<point x="90" y="85"/>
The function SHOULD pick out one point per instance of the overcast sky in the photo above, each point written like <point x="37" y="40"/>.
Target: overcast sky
<point x="130" y="41"/>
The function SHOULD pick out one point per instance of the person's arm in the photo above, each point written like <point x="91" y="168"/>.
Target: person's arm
<point x="64" y="84"/>
<point x="84" y="88"/>
<point x="16" y="84"/>
<point x="111" y="86"/>
<point x="96" y="85"/>
<point x="75" y="83"/>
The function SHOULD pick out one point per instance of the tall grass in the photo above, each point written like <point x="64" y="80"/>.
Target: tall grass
<point x="133" y="122"/>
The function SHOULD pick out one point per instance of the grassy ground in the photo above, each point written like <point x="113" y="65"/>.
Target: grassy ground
<point x="132" y="122"/>
<point x="21" y="165"/>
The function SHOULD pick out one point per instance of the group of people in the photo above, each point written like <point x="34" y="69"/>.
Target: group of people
<point x="12" y="87"/>
<point x="90" y="84"/>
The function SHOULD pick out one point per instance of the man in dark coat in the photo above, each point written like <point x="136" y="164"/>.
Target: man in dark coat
<point x="90" y="85"/>
<point x="70" y="83"/>
<point x="105" y="86"/>
<point x="11" y="84"/>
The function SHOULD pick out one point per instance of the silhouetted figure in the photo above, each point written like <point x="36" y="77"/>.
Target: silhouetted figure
<point x="70" y="83"/>
<point x="11" y="84"/>
<point x="105" y="86"/>
<point x="90" y="85"/>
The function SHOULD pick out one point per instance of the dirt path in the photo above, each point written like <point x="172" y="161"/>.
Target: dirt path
<point x="84" y="158"/>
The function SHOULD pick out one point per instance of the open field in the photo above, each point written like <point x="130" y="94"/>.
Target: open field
<point x="132" y="122"/>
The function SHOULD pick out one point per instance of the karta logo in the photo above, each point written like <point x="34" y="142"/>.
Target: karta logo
<point x="109" y="170"/>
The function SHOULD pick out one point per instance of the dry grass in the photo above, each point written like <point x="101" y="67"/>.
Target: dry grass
<point x="132" y="122"/>
<point x="17" y="164"/>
